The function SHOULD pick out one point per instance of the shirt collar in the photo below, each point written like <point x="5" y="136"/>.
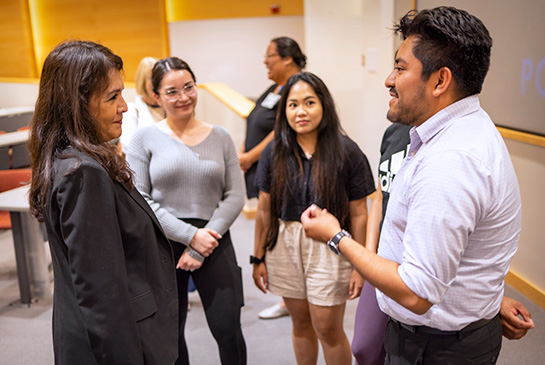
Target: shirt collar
<point x="302" y="153"/>
<point x="441" y="119"/>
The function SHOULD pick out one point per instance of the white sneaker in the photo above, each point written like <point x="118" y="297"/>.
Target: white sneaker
<point x="276" y="311"/>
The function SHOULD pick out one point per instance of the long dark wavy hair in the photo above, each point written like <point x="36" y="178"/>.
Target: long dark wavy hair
<point x="72" y="74"/>
<point x="328" y="174"/>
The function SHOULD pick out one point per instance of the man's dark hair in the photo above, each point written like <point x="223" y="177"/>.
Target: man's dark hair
<point x="453" y="38"/>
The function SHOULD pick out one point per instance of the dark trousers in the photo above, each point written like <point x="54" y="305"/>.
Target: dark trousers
<point x="219" y="283"/>
<point x="479" y="346"/>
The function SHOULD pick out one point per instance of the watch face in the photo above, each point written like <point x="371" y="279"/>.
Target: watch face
<point x="333" y="247"/>
<point x="334" y="242"/>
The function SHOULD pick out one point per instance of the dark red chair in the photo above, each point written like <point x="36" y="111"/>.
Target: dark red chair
<point x="11" y="179"/>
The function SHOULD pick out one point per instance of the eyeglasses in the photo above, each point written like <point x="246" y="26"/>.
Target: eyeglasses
<point x="175" y="94"/>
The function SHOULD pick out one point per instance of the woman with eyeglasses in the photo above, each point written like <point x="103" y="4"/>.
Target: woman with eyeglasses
<point x="188" y="172"/>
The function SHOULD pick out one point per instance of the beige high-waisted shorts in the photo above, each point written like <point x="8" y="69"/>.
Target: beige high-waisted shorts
<point x="302" y="268"/>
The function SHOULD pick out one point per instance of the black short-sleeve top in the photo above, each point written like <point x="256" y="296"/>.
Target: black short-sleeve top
<point x="260" y="121"/>
<point x="359" y="183"/>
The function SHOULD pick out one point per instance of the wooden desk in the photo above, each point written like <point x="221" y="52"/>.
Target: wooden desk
<point x="12" y="119"/>
<point x="15" y="110"/>
<point x="13" y="138"/>
<point x="28" y="240"/>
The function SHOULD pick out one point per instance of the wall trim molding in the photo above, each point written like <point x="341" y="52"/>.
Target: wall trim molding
<point x="526" y="288"/>
<point x="524" y="137"/>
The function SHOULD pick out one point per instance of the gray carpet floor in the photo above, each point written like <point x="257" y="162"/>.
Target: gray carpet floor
<point x="25" y="332"/>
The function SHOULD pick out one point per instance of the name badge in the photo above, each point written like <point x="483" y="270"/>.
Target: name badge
<point x="270" y="101"/>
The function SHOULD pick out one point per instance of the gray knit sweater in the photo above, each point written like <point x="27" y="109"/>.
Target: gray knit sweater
<point x="179" y="181"/>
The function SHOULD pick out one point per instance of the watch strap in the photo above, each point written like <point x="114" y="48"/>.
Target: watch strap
<point x="256" y="260"/>
<point x="334" y="242"/>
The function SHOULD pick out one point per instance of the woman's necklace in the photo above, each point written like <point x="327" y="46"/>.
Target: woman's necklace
<point x="308" y="146"/>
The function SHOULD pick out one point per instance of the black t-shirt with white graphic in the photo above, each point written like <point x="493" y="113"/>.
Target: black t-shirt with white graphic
<point x="394" y="148"/>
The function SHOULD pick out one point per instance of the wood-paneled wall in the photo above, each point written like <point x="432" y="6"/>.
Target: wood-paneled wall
<point x="133" y="29"/>
<point x="16" y="44"/>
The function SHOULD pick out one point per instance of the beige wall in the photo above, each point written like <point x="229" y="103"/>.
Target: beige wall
<point x="18" y="94"/>
<point x="232" y="50"/>
<point x="338" y="35"/>
<point x="529" y="162"/>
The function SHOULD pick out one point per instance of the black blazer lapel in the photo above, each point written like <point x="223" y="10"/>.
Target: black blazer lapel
<point x="139" y="199"/>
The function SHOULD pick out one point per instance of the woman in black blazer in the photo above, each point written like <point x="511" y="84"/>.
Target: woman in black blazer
<point x="115" y="297"/>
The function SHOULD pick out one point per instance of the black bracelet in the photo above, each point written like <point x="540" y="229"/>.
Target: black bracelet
<point x="255" y="260"/>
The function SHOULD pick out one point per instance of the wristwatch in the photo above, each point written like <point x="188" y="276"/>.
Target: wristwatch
<point x="334" y="242"/>
<point x="255" y="260"/>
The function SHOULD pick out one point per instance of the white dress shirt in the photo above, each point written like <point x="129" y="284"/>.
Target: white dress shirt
<point x="454" y="218"/>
